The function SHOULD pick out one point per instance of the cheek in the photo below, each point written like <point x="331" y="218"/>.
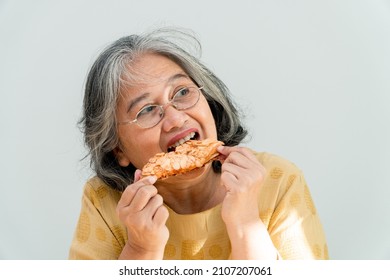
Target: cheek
<point x="206" y="118"/>
<point x="137" y="147"/>
<point x="209" y="119"/>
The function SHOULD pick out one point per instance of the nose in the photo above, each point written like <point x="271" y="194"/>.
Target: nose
<point x="173" y="118"/>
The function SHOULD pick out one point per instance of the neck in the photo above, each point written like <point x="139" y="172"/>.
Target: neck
<point x="185" y="194"/>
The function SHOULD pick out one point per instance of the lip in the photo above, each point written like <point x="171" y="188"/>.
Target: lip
<point x="180" y="135"/>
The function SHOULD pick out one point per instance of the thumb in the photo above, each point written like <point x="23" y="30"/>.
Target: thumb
<point x="137" y="175"/>
<point x="226" y="150"/>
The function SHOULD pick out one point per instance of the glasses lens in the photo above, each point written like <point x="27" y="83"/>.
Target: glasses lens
<point x="186" y="98"/>
<point x="149" y="116"/>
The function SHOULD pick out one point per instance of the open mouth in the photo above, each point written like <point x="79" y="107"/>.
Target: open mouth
<point x="191" y="136"/>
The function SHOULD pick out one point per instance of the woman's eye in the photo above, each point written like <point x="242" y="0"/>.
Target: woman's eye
<point x="148" y="110"/>
<point x="182" y="93"/>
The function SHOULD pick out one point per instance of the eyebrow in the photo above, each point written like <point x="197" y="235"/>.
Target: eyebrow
<point x="137" y="100"/>
<point x="147" y="94"/>
<point x="177" y="76"/>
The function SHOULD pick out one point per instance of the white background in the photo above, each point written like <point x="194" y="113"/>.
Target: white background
<point x="312" y="77"/>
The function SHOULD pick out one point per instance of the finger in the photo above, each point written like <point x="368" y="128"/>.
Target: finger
<point x="234" y="169"/>
<point x="161" y="216"/>
<point x="228" y="180"/>
<point x="234" y="173"/>
<point x="227" y="151"/>
<point x="245" y="158"/>
<point x="154" y="203"/>
<point x="142" y="198"/>
<point x="224" y="152"/>
<point x="241" y="168"/>
<point x="131" y="190"/>
<point x="239" y="159"/>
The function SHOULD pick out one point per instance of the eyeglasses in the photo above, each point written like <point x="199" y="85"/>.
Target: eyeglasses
<point x="150" y="115"/>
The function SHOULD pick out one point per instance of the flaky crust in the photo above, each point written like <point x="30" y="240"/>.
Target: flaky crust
<point x="188" y="156"/>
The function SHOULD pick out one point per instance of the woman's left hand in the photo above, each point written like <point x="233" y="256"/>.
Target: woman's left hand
<point x="241" y="175"/>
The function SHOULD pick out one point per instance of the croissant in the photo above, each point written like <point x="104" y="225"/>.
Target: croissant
<point x="188" y="156"/>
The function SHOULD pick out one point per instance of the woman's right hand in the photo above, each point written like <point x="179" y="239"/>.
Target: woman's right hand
<point x="142" y="211"/>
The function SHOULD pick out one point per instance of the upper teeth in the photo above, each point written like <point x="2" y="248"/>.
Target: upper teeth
<point x="181" y="141"/>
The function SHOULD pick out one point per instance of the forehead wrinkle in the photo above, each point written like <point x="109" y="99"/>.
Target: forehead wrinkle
<point x="148" y="80"/>
<point x="145" y="95"/>
<point x="143" y="73"/>
<point x="142" y="76"/>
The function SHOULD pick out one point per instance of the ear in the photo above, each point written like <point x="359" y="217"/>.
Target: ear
<point x="121" y="157"/>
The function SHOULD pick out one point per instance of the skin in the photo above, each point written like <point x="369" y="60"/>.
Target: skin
<point x="141" y="207"/>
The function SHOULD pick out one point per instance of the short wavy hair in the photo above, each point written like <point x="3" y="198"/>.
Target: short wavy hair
<point x="110" y="73"/>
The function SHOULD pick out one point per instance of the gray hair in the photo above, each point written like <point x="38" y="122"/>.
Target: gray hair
<point x="109" y="74"/>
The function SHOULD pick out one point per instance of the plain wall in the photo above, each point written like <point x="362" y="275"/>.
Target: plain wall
<point x="311" y="76"/>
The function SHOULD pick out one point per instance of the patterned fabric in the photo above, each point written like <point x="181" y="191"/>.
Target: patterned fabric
<point x="285" y="207"/>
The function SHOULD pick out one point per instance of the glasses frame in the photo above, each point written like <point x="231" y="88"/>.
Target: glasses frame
<point x="163" y="108"/>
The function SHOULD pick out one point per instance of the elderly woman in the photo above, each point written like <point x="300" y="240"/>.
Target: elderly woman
<point x="146" y="94"/>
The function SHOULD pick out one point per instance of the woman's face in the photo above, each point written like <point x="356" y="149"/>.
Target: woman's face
<point x="157" y="79"/>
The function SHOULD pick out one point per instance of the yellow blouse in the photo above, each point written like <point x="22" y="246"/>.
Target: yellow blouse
<point x="285" y="207"/>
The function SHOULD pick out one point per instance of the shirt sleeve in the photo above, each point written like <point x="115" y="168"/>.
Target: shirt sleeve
<point x="295" y="227"/>
<point x="99" y="234"/>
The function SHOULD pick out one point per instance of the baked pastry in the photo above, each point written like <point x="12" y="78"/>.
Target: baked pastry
<point x="188" y="156"/>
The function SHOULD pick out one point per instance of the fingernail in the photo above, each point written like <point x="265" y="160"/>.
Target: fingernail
<point x="152" y="179"/>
